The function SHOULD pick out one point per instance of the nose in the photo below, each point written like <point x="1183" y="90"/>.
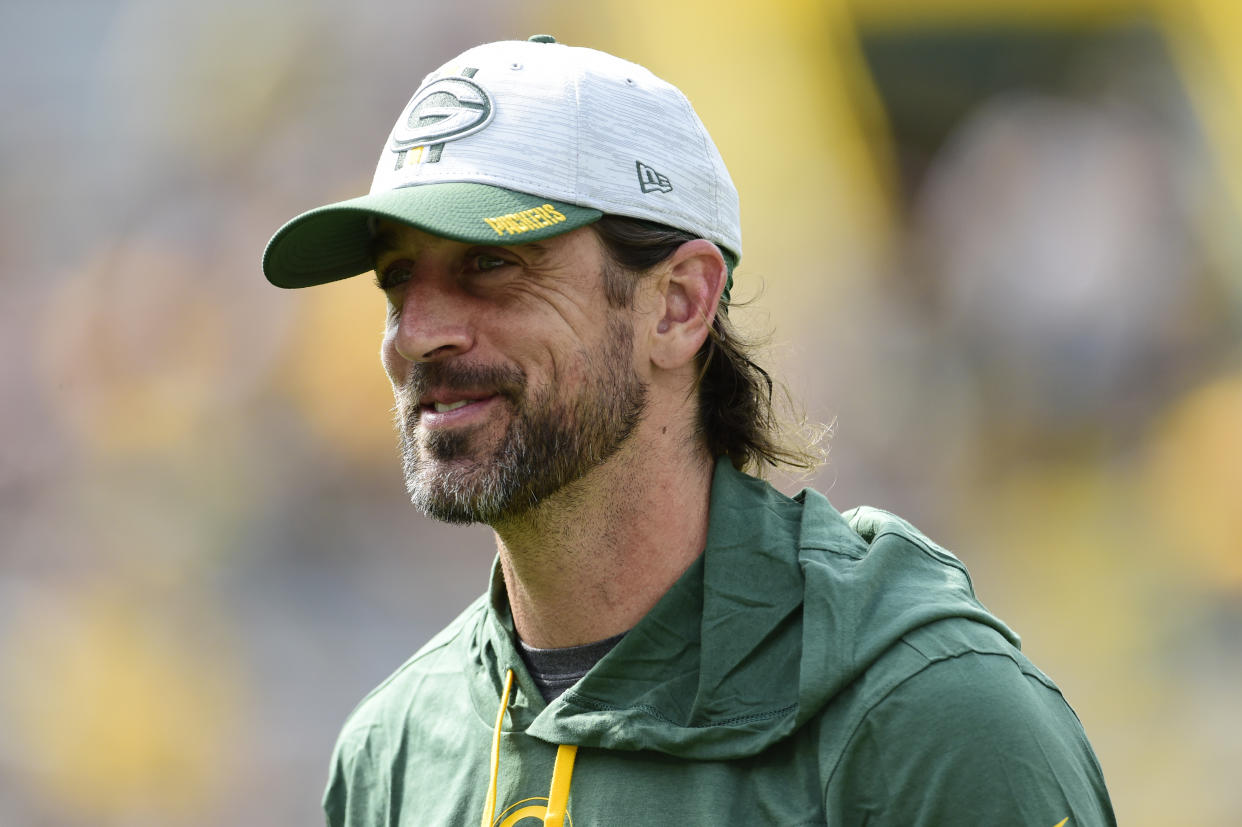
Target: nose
<point x="433" y="322"/>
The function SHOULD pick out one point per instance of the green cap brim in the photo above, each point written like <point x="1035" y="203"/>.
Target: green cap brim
<point x="334" y="242"/>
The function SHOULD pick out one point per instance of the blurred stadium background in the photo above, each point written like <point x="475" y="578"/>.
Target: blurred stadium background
<point x="998" y="245"/>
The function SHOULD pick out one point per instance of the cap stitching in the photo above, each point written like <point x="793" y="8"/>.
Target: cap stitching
<point x="697" y="122"/>
<point x="578" y="189"/>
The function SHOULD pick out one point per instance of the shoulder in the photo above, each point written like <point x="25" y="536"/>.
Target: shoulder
<point x="965" y="728"/>
<point x="434" y="670"/>
<point x="397" y="722"/>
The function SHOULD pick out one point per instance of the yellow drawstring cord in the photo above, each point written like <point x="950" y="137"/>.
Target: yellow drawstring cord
<point x="489" y="806"/>
<point x="562" y="771"/>
<point x="558" y="795"/>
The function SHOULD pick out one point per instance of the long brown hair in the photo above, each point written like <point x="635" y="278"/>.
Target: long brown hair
<point x="737" y="415"/>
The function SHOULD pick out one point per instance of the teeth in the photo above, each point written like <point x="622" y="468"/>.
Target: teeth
<point x="443" y="408"/>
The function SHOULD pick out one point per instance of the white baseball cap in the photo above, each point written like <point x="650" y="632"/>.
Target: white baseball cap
<point x="519" y="141"/>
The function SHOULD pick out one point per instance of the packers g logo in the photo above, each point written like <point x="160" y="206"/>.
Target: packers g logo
<point x="526" y="813"/>
<point x="443" y="110"/>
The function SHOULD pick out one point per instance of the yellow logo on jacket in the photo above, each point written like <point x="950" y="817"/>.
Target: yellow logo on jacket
<point x="528" y="812"/>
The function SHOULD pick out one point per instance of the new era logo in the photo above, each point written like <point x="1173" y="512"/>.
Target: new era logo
<point x="650" y="180"/>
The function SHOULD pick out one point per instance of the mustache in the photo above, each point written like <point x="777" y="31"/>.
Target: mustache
<point x="504" y="380"/>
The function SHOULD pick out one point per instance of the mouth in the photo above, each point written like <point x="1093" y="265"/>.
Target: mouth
<point x="444" y="400"/>
<point x="455" y="408"/>
<point x="439" y="395"/>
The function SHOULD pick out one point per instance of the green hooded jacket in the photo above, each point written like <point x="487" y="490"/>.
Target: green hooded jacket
<point x="809" y="668"/>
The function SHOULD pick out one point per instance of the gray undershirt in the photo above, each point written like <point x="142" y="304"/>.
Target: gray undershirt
<point x="555" y="670"/>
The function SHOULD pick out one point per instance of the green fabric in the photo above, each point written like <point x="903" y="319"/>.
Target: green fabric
<point x="809" y="668"/>
<point x="333" y="242"/>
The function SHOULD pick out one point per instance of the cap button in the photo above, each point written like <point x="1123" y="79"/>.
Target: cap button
<point x="541" y="38"/>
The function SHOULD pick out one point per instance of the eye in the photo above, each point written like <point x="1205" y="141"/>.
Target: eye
<point x="483" y="262"/>
<point x="393" y="275"/>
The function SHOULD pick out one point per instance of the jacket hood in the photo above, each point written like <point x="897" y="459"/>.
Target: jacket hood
<point x="789" y="604"/>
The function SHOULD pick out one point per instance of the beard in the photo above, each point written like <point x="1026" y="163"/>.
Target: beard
<point x="552" y="438"/>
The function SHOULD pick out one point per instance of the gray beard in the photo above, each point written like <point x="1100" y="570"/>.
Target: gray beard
<point x="550" y="441"/>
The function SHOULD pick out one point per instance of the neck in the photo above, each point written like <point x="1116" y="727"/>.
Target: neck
<point x="590" y="561"/>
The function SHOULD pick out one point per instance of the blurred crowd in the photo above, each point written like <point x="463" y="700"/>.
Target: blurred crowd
<point x="1019" y="308"/>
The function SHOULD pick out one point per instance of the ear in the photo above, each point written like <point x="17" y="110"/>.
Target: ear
<point x="690" y="291"/>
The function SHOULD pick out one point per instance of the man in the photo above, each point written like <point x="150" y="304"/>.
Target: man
<point x="666" y="639"/>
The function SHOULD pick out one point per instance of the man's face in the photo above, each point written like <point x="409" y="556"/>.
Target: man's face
<point x="513" y="377"/>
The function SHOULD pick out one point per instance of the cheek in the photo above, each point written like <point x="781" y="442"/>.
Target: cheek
<point x="560" y="366"/>
<point x="394" y="363"/>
